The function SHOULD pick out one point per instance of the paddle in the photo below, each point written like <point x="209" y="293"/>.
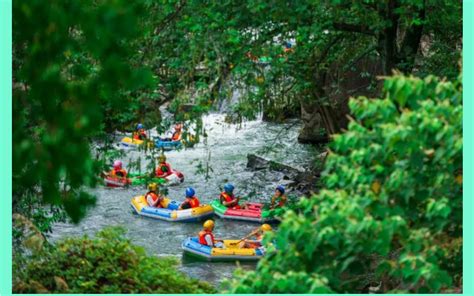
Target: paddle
<point x="246" y="237"/>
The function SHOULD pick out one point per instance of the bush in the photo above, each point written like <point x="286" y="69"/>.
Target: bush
<point x="108" y="263"/>
<point x="390" y="213"/>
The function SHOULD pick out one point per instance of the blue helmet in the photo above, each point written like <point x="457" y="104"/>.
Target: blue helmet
<point x="190" y="192"/>
<point x="281" y="189"/>
<point x="139" y="126"/>
<point x="229" y="188"/>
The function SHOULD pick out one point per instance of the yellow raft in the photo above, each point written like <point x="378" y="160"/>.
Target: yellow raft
<point x="134" y="143"/>
<point x="170" y="211"/>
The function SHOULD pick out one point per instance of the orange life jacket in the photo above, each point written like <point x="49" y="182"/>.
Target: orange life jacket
<point x="194" y="202"/>
<point x="163" y="169"/>
<point x="227" y="197"/>
<point x="140" y="135"/>
<point x="118" y="173"/>
<point x="202" y="236"/>
<point x="155" y="197"/>
<point x="176" y="136"/>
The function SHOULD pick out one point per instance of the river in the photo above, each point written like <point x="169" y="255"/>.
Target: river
<point x="228" y="146"/>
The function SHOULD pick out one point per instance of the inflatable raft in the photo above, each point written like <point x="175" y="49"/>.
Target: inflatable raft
<point x="167" y="145"/>
<point x="116" y="181"/>
<point x="230" y="252"/>
<point x="131" y="143"/>
<point x="171" y="212"/>
<point x="252" y="213"/>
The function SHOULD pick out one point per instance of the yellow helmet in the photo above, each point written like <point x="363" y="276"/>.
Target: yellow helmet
<point x="162" y="158"/>
<point x="265" y="227"/>
<point x="208" y="225"/>
<point x="152" y="186"/>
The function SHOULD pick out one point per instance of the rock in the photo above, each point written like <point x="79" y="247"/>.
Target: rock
<point x="312" y="131"/>
<point x="61" y="284"/>
<point x="32" y="238"/>
<point x="259" y="163"/>
<point x="38" y="287"/>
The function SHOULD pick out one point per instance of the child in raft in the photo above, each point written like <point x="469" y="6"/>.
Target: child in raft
<point x="279" y="199"/>
<point x="176" y="135"/>
<point x="153" y="197"/>
<point x="164" y="169"/>
<point x="206" y="237"/>
<point x="118" y="171"/>
<point x="139" y="133"/>
<point x="191" y="200"/>
<point x="258" y="234"/>
<point x="228" y="199"/>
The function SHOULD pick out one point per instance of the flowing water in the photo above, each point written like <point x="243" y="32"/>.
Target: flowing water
<point x="227" y="147"/>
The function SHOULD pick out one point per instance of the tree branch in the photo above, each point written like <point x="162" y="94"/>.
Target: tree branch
<point x="353" y="28"/>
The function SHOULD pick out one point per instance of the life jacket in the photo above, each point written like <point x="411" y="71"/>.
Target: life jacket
<point x="176" y="136"/>
<point x="281" y="200"/>
<point x="140" y="135"/>
<point x="160" y="171"/>
<point x="119" y="173"/>
<point x="202" y="236"/>
<point x="194" y="202"/>
<point x="154" y="196"/>
<point x="227" y="197"/>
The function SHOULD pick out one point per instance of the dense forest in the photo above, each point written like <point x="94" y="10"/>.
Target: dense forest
<point x="377" y="84"/>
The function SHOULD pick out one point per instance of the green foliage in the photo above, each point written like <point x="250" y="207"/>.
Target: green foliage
<point x="391" y="208"/>
<point x="70" y="71"/>
<point x="108" y="263"/>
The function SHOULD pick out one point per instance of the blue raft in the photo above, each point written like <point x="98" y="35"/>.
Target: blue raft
<point x="167" y="145"/>
<point x="231" y="251"/>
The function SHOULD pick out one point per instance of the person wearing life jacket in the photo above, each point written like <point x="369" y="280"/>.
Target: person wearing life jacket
<point x="153" y="197"/>
<point x="139" y="133"/>
<point x="191" y="200"/>
<point x="206" y="237"/>
<point x="117" y="170"/>
<point x="279" y="199"/>
<point x="258" y="234"/>
<point x="164" y="169"/>
<point x="176" y="135"/>
<point x="228" y="199"/>
<point x="177" y="132"/>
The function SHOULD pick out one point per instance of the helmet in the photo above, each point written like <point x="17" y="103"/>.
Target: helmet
<point x="139" y="126"/>
<point x="152" y="186"/>
<point x="162" y="158"/>
<point x="117" y="164"/>
<point x="281" y="189"/>
<point x="229" y="188"/>
<point x="265" y="227"/>
<point x="190" y="192"/>
<point x="208" y="225"/>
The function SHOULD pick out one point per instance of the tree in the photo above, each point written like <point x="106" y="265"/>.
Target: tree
<point x="390" y="212"/>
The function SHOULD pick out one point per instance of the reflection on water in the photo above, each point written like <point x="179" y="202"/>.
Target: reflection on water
<point x="228" y="146"/>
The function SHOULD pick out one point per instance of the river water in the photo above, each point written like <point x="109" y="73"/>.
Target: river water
<point x="227" y="147"/>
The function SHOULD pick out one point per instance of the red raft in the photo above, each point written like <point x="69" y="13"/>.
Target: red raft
<point x="116" y="181"/>
<point x="253" y="212"/>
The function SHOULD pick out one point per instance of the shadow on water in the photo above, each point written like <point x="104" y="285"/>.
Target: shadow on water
<point x="228" y="146"/>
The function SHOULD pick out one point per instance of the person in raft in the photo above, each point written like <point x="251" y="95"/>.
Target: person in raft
<point x="176" y="135"/>
<point x="279" y="199"/>
<point x="139" y="133"/>
<point x="228" y="199"/>
<point x="117" y="170"/>
<point x="191" y="200"/>
<point x="153" y="197"/>
<point x="258" y="234"/>
<point x="164" y="169"/>
<point x="206" y="237"/>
